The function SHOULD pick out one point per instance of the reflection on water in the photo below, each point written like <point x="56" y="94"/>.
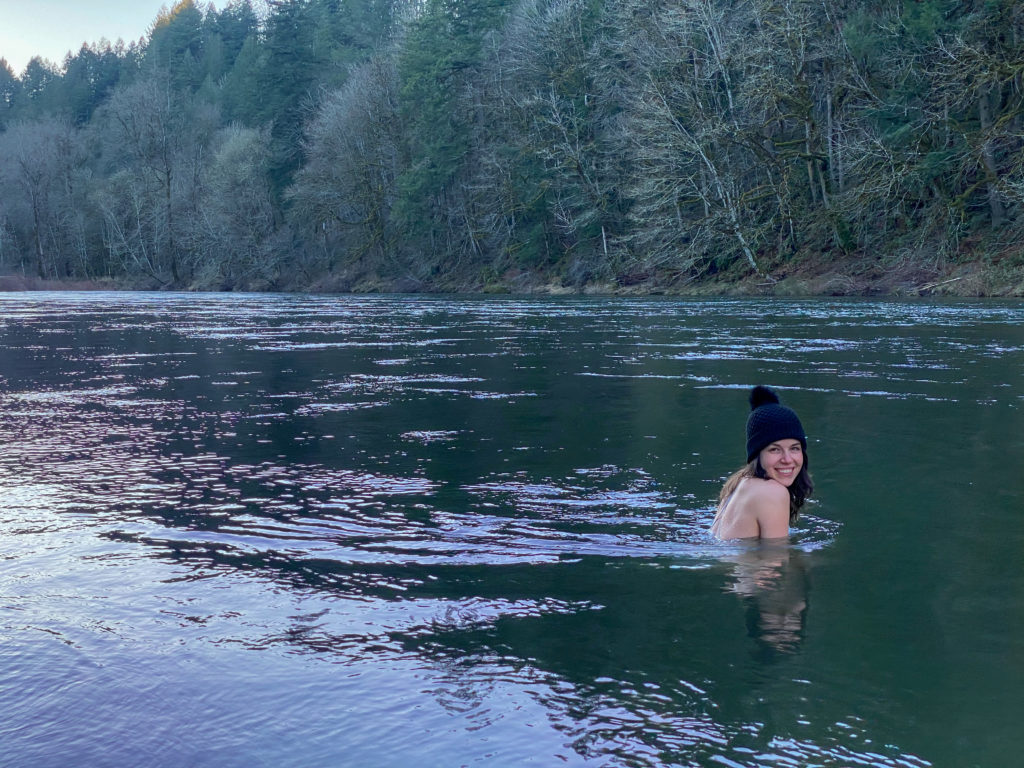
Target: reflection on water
<point x="773" y="582"/>
<point x="267" y="530"/>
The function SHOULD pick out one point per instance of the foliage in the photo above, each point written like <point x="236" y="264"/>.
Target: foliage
<point x="453" y="143"/>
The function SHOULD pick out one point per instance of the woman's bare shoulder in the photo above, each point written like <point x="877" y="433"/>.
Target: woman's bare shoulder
<point x="758" y="508"/>
<point x="770" y="501"/>
<point x="764" y="489"/>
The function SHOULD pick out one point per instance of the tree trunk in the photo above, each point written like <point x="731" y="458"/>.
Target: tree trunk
<point x="995" y="205"/>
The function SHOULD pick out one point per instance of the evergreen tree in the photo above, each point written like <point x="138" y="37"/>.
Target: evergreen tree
<point x="90" y="76"/>
<point x="39" y="92"/>
<point x="441" y="51"/>
<point x="240" y="91"/>
<point x="224" y="33"/>
<point x="349" y="32"/>
<point x="286" y="82"/>
<point x="176" y="45"/>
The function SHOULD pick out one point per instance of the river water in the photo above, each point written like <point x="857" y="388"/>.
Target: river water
<point x="386" y="531"/>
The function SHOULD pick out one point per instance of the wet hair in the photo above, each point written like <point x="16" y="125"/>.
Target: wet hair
<point x="799" y="489"/>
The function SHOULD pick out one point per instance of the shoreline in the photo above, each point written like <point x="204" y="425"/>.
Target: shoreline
<point x="853" y="279"/>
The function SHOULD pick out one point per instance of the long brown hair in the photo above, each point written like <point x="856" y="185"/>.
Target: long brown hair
<point x="799" y="490"/>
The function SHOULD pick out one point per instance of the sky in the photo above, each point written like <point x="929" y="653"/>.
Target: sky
<point x="51" y="28"/>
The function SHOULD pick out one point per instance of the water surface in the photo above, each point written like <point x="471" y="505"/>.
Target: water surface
<point x="386" y="531"/>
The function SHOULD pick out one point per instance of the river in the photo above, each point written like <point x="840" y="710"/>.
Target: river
<point x="266" y="530"/>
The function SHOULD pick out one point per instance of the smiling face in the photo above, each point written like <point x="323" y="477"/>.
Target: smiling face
<point x="782" y="460"/>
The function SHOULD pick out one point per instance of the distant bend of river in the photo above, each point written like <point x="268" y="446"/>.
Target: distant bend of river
<point x="245" y="530"/>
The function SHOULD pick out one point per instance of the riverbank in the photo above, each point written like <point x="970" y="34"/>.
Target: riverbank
<point x="800" y="278"/>
<point x="882" y="277"/>
<point x="11" y="283"/>
<point x="886" y="276"/>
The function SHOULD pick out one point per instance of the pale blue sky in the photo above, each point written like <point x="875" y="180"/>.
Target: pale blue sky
<point x="51" y="28"/>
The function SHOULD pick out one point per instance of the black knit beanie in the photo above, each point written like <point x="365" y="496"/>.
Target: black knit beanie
<point x="770" y="421"/>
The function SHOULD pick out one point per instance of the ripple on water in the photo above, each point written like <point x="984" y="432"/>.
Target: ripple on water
<point x="188" y="505"/>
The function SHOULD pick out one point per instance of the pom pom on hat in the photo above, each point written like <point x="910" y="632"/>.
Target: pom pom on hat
<point x="770" y="421"/>
<point x="761" y="395"/>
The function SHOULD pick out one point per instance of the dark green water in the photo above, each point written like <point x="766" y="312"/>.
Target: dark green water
<point x="391" y="531"/>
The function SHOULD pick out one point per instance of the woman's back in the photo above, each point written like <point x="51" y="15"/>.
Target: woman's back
<point x="758" y="508"/>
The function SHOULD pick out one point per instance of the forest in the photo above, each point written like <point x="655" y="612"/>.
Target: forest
<point x="640" y="146"/>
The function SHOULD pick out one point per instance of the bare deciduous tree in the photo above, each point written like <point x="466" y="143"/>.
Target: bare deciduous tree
<point x="38" y="160"/>
<point x="344" y="194"/>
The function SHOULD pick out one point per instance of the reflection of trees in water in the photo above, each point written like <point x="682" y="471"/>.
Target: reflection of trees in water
<point x="773" y="583"/>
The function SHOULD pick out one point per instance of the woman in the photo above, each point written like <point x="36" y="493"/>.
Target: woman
<point x="760" y="500"/>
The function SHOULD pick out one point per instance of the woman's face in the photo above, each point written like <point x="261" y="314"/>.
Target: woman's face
<point x="782" y="460"/>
